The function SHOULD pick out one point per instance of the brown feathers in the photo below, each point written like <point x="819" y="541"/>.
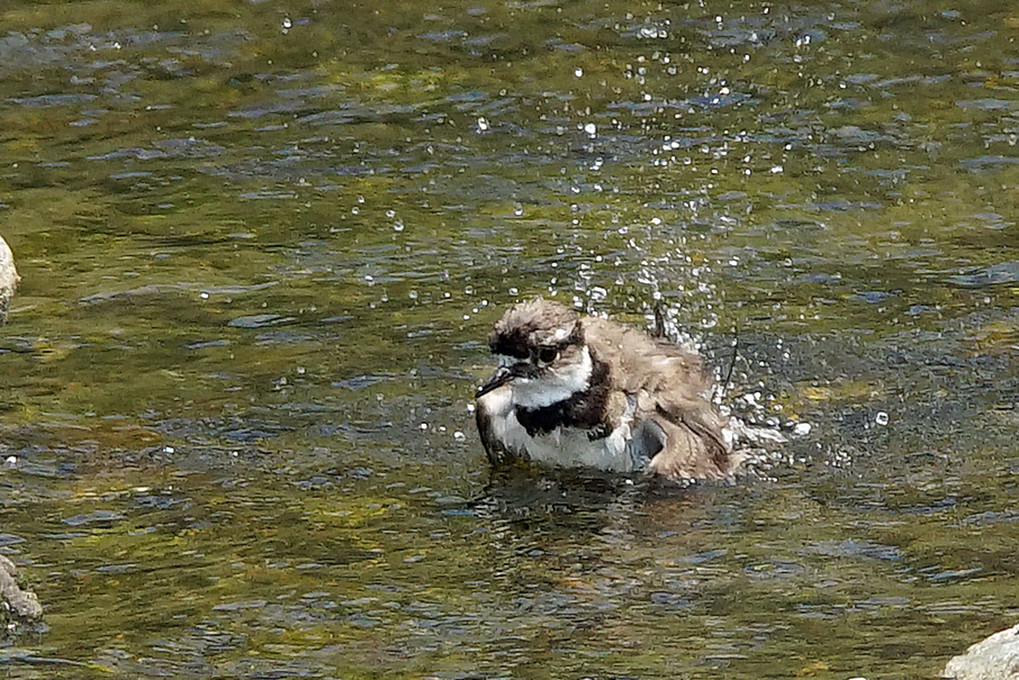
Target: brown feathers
<point x="672" y="390"/>
<point x="656" y="393"/>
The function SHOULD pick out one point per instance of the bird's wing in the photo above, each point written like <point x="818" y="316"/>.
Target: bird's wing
<point x="676" y="423"/>
<point x="695" y="446"/>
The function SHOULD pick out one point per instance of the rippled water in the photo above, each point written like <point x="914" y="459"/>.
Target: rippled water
<point x="262" y="244"/>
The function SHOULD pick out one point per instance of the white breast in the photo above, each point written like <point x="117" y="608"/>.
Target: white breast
<point x="562" y="447"/>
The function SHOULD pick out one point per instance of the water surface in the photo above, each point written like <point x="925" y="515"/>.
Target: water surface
<point x="262" y="244"/>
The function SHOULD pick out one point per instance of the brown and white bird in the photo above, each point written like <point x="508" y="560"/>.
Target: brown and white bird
<point x="580" y="391"/>
<point x="9" y="278"/>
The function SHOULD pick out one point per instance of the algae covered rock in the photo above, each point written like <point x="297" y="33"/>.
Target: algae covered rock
<point x="996" y="658"/>
<point x="16" y="604"/>
<point x="9" y="278"/>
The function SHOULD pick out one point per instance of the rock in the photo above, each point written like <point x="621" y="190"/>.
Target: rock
<point x="996" y="658"/>
<point x="21" y="605"/>
<point x="9" y="278"/>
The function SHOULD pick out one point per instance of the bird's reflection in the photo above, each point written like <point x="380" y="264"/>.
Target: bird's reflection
<point x="521" y="493"/>
<point x="576" y="548"/>
<point x="579" y="504"/>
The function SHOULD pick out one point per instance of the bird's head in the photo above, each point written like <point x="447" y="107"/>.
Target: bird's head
<point x="542" y="354"/>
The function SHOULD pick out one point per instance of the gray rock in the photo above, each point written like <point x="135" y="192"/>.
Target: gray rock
<point x="20" y="604"/>
<point x="996" y="658"/>
<point x="9" y="278"/>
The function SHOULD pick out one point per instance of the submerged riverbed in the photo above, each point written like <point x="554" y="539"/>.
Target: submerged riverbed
<point x="262" y="245"/>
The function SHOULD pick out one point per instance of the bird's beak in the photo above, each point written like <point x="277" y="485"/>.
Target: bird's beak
<point x="502" y="375"/>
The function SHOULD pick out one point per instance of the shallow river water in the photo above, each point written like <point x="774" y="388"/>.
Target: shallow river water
<point x="262" y="244"/>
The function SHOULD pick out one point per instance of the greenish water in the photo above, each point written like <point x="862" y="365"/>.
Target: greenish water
<point x="262" y="244"/>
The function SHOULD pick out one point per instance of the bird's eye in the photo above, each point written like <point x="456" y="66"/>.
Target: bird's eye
<point x="547" y="355"/>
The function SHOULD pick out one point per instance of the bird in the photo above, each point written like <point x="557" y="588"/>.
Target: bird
<point x="579" y="391"/>
<point x="9" y="279"/>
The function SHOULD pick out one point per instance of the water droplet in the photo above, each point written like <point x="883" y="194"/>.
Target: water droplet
<point x="459" y="436"/>
<point x="287" y="23"/>
<point x="579" y="72"/>
<point x="482" y="125"/>
<point x="591" y="129"/>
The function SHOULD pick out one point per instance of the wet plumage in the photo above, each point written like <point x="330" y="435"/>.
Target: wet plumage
<point x="576" y="390"/>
